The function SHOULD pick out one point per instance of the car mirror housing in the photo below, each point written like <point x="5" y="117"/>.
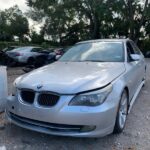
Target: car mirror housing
<point x="135" y="57"/>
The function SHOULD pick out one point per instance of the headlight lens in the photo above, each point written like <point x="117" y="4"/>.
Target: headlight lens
<point x="91" y="99"/>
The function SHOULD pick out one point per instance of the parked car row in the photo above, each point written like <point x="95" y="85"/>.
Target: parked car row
<point x="24" y="54"/>
<point x="34" y="57"/>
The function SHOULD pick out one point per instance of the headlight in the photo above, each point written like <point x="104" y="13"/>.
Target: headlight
<point x="91" y="99"/>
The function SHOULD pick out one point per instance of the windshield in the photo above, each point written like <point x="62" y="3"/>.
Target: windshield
<point x="97" y="51"/>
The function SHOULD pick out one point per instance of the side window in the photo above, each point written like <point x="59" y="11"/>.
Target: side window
<point x="36" y="50"/>
<point x="33" y="50"/>
<point x="130" y="51"/>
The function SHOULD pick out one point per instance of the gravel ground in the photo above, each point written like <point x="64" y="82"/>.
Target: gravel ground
<point x="136" y="135"/>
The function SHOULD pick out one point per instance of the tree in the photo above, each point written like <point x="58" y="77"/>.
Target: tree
<point x="132" y="16"/>
<point x="13" y="23"/>
<point x="4" y="28"/>
<point x="71" y="20"/>
<point x="61" y="16"/>
<point x="36" y="38"/>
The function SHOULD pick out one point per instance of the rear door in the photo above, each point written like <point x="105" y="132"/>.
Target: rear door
<point x="141" y="62"/>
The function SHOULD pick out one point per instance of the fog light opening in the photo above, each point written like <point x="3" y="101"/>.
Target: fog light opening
<point x="88" y="128"/>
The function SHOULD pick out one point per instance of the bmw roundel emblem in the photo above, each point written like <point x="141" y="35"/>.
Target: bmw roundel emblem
<point x="39" y="87"/>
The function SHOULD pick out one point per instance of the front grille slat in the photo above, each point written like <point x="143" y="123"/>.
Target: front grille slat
<point x="43" y="99"/>
<point x="48" y="99"/>
<point x="28" y="96"/>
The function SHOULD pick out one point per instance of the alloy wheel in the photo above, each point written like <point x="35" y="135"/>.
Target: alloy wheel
<point x="123" y="110"/>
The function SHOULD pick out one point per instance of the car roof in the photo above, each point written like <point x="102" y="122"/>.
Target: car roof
<point x="25" y="47"/>
<point x="29" y="47"/>
<point x="105" y="40"/>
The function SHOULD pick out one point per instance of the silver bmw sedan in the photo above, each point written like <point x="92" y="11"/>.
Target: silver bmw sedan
<point x="88" y="92"/>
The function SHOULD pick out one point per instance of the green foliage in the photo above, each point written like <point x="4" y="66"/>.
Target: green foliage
<point x="36" y="38"/>
<point x="144" y="45"/>
<point x="13" y="23"/>
<point x="4" y="28"/>
<point x="133" y="15"/>
<point x="68" y="21"/>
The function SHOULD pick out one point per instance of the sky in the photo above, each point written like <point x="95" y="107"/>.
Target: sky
<point x="4" y="4"/>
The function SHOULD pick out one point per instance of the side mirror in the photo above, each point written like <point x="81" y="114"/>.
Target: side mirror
<point x="57" y="57"/>
<point x="135" y="57"/>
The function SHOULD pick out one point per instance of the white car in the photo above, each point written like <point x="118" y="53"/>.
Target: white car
<point x="88" y="92"/>
<point x="25" y="54"/>
<point x="3" y="88"/>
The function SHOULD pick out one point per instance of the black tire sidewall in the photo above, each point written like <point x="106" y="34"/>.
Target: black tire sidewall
<point x="118" y="128"/>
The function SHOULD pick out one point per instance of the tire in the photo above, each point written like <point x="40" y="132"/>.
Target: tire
<point x="31" y="61"/>
<point x="144" y="79"/>
<point x="40" y="61"/>
<point x="122" y="113"/>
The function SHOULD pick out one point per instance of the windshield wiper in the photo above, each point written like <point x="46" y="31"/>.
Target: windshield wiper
<point x="94" y="60"/>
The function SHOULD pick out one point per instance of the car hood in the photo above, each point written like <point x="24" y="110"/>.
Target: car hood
<point x="71" y="77"/>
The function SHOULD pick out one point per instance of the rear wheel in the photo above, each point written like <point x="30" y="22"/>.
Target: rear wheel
<point x="122" y="113"/>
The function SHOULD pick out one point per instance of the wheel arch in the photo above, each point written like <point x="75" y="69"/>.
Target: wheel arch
<point x="29" y="59"/>
<point x="127" y="90"/>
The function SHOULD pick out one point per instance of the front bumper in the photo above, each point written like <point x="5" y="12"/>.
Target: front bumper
<point x="62" y="119"/>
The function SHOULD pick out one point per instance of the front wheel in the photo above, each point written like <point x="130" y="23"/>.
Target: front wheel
<point x="122" y="113"/>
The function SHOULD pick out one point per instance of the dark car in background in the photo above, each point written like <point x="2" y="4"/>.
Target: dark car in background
<point x="32" y="57"/>
<point x="48" y="57"/>
<point x="5" y="59"/>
